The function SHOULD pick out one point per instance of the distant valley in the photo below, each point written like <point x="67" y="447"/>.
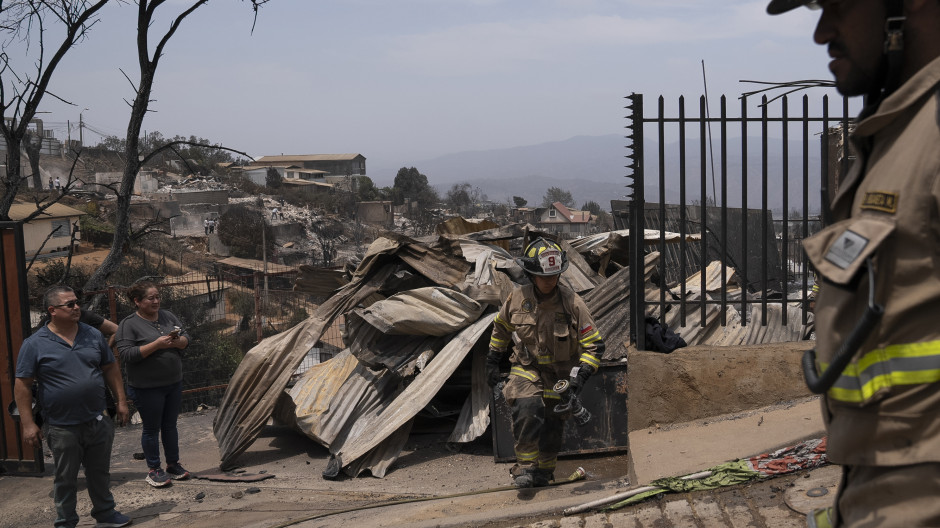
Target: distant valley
<point x="594" y="168"/>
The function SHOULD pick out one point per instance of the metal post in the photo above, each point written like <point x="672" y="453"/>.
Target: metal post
<point x="637" y="224"/>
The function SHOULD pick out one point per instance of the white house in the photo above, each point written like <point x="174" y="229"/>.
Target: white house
<point x="59" y="218"/>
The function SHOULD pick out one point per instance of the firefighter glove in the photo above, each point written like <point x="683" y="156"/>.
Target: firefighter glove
<point x="578" y="380"/>
<point x="492" y="367"/>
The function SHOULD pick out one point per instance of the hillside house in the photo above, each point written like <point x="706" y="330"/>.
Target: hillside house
<point x="340" y="170"/>
<point x="565" y="222"/>
<point x="57" y="219"/>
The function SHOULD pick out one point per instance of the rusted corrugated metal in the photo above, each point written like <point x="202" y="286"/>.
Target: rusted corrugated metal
<point x="340" y="413"/>
<point x="266" y="369"/>
<point x="474" y="417"/>
<point x="432" y="311"/>
<point x="608" y="304"/>
<point x="369" y="430"/>
<point x="734" y="332"/>
<point x="322" y="282"/>
<point x="403" y="349"/>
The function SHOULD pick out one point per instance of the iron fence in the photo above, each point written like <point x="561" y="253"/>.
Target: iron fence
<point x="752" y="205"/>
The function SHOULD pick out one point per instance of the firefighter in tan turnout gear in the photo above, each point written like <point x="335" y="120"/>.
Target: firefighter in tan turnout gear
<point x="557" y="340"/>
<point x="877" y="327"/>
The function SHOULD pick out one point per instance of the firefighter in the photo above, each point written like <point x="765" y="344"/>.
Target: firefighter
<point x="881" y="256"/>
<point x="557" y="340"/>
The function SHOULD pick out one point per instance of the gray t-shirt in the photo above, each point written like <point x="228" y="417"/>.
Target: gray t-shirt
<point x="70" y="384"/>
<point x="163" y="367"/>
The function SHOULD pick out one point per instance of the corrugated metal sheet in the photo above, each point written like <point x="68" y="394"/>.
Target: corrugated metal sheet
<point x="266" y="369"/>
<point x="369" y="430"/>
<point x="734" y="332"/>
<point x="432" y="311"/>
<point x="608" y="304"/>
<point x="403" y="349"/>
<point x="474" y="417"/>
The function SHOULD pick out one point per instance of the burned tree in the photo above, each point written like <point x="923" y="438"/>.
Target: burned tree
<point x="25" y="25"/>
<point x="148" y="61"/>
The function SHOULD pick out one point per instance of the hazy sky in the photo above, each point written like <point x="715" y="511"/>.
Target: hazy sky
<point x="400" y="81"/>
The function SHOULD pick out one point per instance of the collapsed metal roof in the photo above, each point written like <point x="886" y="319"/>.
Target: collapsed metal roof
<point x="415" y="311"/>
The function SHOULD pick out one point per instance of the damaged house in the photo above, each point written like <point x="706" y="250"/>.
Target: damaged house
<point x="418" y="314"/>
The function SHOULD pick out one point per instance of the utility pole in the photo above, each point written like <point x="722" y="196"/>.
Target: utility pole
<point x="264" y="255"/>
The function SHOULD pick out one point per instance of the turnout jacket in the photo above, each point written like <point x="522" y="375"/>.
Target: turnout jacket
<point x="555" y="335"/>
<point x="882" y="411"/>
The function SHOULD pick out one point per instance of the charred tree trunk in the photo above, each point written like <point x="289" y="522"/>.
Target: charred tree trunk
<point x="12" y="179"/>
<point x="21" y="106"/>
<point x="32" y="145"/>
<point x="133" y="163"/>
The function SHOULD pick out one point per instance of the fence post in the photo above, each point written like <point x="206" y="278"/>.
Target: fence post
<point x="258" y="324"/>
<point x="637" y="224"/>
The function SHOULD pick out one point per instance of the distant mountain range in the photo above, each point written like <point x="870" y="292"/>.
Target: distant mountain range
<point x="594" y="168"/>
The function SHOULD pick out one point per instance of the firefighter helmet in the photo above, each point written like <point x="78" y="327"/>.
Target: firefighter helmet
<point x="777" y="7"/>
<point x="543" y="257"/>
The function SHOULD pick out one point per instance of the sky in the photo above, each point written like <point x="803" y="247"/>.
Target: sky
<point x="401" y="81"/>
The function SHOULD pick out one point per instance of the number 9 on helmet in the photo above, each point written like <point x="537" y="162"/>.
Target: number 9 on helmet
<point x="543" y="257"/>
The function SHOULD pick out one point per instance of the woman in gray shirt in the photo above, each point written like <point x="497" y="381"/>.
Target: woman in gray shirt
<point x="150" y="342"/>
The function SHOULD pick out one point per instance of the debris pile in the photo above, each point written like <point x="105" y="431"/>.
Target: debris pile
<point x="416" y="310"/>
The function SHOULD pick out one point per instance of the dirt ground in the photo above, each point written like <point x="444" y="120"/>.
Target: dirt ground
<point x="455" y="487"/>
<point x="703" y="383"/>
<point x="428" y="467"/>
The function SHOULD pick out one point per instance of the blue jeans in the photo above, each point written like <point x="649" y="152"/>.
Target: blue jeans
<point x="159" y="408"/>
<point x="88" y="444"/>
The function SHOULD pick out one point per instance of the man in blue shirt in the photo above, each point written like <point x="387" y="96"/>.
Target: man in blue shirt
<point x="70" y="362"/>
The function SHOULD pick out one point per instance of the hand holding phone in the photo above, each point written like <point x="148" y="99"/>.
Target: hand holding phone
<point x="175" y="333"/>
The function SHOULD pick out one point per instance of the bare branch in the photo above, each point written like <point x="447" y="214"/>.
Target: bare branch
<point x="173" y="144"/>
<point x="41" y="246"/>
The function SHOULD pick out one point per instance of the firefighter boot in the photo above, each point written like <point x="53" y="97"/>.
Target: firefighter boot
<point x="523" y="477"/>
<point x="541" y="477"/>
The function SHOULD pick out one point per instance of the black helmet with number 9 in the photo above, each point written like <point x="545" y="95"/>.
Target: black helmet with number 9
<point x="543" y="257"/>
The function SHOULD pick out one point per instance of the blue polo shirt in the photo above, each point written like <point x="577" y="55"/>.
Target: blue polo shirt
<point x="69" y="381"/>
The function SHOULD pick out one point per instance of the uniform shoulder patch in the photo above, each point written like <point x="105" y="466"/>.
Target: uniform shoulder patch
<point x="886" y="202"/>
<point x="527" y="305"/>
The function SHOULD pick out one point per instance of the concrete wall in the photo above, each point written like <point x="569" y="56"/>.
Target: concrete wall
<point x="375" y="213"/>
<point x="700" y="382"/>
<point x="203" y="197"/>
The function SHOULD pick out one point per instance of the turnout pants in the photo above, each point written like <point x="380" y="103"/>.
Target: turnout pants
<point x="536" y="430"/>
<point x="887" y="497"/>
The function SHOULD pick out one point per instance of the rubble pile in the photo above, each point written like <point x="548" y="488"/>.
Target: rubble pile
<point x="416" y="311"/>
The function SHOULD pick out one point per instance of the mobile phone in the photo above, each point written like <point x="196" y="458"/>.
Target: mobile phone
<point x="175" y="332"/>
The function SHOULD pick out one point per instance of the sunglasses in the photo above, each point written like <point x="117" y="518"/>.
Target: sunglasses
<point x="70" y="304"/>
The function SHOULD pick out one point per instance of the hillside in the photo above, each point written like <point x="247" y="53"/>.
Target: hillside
<point x="593" y="168"/>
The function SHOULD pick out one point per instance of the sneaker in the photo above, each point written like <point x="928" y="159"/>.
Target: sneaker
<point x="116" y="520"/>
<point x="177" y="471"/>
<point x="157" y="478"/>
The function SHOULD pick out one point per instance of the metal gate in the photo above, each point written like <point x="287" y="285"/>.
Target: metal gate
<point x="15" y="457"/>
<point x="751" y="200"/>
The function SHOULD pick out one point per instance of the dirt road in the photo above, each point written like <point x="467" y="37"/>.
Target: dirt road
<point x="428" y="469"/>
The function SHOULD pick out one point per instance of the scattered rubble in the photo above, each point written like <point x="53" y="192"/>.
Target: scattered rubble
<point x="418" y="312"/>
